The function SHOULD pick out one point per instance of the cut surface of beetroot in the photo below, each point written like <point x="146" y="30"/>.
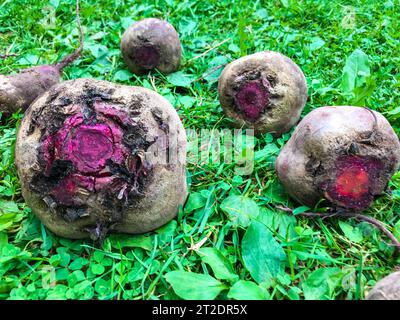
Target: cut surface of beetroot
<point x="354" y="182"/>
<point x="252" y="98"/>
<point x="147" y="57"/>
<point x="93" y="151"/>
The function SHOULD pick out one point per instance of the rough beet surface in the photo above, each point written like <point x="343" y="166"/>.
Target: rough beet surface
<point x="386" y="289"/>
<point x="20" y="90"/>
<point x="265" y="91"/>
<point x="94" y="157"/>
<point x="345" y="154"/>
<point x="151" y="44"/>
<point x="147" y="56"/>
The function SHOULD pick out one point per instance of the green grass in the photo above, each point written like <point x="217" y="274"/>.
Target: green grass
<point x="268" y="256"/>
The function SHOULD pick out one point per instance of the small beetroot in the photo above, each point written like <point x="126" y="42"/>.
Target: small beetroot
<point x="344" y="154"/>
<point x="20" y="90"/>
<point x="386" y="289"/>
<point x="151" y="44"/>
<point x="95" y="157"/>
<point x="265" y="91"/>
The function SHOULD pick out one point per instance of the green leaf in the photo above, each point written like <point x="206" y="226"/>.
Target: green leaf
<point x="301" y="209"/>
<point x="262" y="255"/>
<point x="125" y="241"/>
<point x="194" y="286"/>
<point x="180" y="79"/>
<point x="321" y="283"/>
<point x="355" y="71"/>
<point x="396" y="231"/>
<point x="3" y="240"/>
<point x="8" y="207"/>
<point x="97" y="268"/>
<point x="261" y="13"/>
<point x="247" y="290"/>
<point x="220" y="265"/>
<point x="354" y="234"/>
<point x="316" y="43"/>
<point x="78" y="263"/>
<point x="240" y="209"/>
<point x="215" y="67"/>
<point x="122" y="75"/>
<point x="196" y="201"/>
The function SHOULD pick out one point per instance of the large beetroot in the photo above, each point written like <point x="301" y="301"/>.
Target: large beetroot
<point x="344" y="154"/>
<point x="95" y="157"/>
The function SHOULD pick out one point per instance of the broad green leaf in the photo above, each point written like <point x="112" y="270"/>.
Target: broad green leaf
<point x="355" y="71"/>
<point x="316" y="43"/>
<point x="194" y="286"/>
<point x="97" y="268"/>
<point x="122" y="75"/>
<point x="247" y="290"/>
<point x="396" y="230"/>
<point x="301" y="209"/>
<point x="354" y="234"/>
<point x="282" y="222"/>
<point x="187" y="26"/>
<point x="180" y="79"/>
<point x="8" y="207"/>
<point x="196" y="201"/>
<point x="240" y="209"/>
<point x="3" y="240"/>
<point x="321" y="283"/>
<point x="136" y="241"/>
<point x="220" y="265"/>
<point x="215" y="67"/>
<point x="261" y="13"/>
<point x="263" y="256"/>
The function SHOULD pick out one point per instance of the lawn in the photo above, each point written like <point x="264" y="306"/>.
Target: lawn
<point x="229" y="241"/>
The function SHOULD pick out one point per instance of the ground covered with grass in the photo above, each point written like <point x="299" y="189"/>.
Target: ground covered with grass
<point x="230" y="241"/>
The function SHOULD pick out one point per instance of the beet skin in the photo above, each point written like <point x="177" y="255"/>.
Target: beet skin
<point x="151" y="44"/>
<point x="344" y="154"/>
<point x="386" y="289"/>
<point x="265" y="91"/>
<point x="20" y="90"/>
<point x="95" y="157"/>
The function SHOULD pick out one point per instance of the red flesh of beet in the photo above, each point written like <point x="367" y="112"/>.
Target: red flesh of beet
<point x="252" y="98"/>
<point x="354" y="181"/>
<point x="89" y="146"/>
<point x="147" y="57"/>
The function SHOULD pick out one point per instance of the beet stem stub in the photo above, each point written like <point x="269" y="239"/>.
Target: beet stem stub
<point x="354" y="182"/>
<point x="147" y="57"/>
<point x="252" y="98"/>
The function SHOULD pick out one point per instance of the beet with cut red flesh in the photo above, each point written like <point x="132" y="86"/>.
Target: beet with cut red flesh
<point x="151" y="44"/>
<point x="265" y="91"/>
<point x="95" y="157"/>
<point x="344" y="154"/>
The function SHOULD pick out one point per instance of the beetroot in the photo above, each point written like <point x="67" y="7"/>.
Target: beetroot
<point x="151" y="44"/>
<point x="386" y="289"/>
<point x="20" y="90"/>
<point x="95" y="157"/>
<point x="265" y="91"/>
<point x="345" y="154"/>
